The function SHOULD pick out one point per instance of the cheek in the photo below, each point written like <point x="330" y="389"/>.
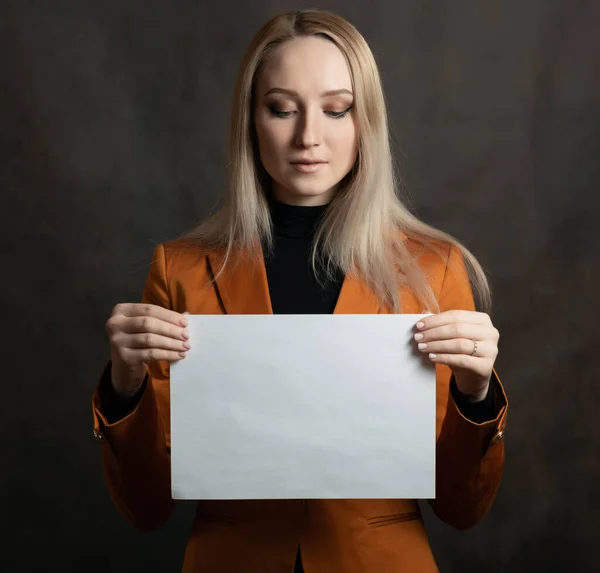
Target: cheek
<point x="346" y="143"/>
<point x="271" y="140"/>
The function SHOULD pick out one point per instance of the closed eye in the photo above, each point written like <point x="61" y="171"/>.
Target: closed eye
<point x="338" y="114"/>
<point x="333" y="114"/>
<point x="281" y="113"/>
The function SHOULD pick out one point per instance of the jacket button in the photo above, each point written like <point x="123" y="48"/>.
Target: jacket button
<point x="98" y="435"/>
<point x="498" y="438"/>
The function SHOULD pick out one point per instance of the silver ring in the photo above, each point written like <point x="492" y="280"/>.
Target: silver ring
<point x="474" y="348"/>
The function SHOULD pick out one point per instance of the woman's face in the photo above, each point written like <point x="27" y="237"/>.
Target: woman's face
<point x="304" y="114"/>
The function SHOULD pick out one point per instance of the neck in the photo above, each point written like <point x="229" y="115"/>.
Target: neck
<point x="295" y="221"/>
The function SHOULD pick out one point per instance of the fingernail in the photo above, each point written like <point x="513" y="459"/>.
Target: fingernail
<point x="183" y="354"/>
<point x="422" y="346"/>
<point x="433" y="356"/>
<point x="185" y="334"/>
<point x="184" y="322"/>
<point x="186" y="344"/>
<point x="418" y="336"/>
<point x="420" y="324"/>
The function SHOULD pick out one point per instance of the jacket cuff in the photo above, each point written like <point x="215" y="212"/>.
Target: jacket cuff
<point x="484" y="434"/>
<point x="126" y="433"/>
<point x="113" y="406"/>
<point x="478" y="412"/>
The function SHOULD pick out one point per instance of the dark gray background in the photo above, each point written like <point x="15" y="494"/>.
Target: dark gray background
<point x="113" y="119"/>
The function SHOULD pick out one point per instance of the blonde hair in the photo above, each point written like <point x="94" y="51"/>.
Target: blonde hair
<point x="361" y="230"/>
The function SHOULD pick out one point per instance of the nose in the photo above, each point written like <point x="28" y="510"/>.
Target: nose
<point x="310" y="129"/>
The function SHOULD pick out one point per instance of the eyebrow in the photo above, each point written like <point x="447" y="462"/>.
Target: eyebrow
<point x="295" y="94"/>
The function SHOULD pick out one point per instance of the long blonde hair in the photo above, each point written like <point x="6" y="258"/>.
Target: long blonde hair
<point x="361" y="230"/>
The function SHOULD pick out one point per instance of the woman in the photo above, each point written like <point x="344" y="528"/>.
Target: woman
<point x="311" y="224"/>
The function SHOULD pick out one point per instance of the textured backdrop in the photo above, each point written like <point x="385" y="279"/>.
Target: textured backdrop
<point x="113" y="120"/>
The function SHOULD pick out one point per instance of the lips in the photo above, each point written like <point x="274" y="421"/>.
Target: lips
<point x="306" y="167"/>
<point x="308" y="162"/>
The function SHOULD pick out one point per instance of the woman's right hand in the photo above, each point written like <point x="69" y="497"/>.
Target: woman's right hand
<point x="140" y="333"/>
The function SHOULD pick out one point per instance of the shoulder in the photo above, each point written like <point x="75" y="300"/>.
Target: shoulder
<point x="181" y="256"/>
<point x="182" y="247"/>
<point x="442" y="265"/>
<point x="431" y="255"/>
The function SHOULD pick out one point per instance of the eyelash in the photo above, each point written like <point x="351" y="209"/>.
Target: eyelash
<point x="332" y="114"/>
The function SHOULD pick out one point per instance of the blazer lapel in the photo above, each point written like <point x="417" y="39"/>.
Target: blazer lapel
<point x="243" y="286"/>
<point x="356" y="298"/>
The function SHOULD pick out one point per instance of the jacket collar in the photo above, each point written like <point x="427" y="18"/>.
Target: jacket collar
<point x="243" y="287"/>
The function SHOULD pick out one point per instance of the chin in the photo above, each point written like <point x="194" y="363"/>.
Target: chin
<point x="308" y="193"/>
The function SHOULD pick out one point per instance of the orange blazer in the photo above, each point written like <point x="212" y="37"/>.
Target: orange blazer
<point x="336" y="536"/>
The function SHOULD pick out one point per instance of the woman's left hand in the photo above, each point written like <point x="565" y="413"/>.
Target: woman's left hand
<point x="467" y="342"/>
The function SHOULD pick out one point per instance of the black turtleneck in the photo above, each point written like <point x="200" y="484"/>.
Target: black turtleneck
<point x="293" y="286"/>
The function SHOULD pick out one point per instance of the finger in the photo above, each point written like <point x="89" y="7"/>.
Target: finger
<point x="453" y="316"/>
<point x="480" y="366"/>
<point x="152" y="325"/>
<point x="136" y="356"/>
<point x="454" y="330"/>
<point x="131" y="310"/>
<point x="459" y="346"/>
<point x="151" y="340"/>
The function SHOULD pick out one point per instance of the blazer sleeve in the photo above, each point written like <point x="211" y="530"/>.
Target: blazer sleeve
<point x="469" y="455"/>
<point x="135" y="454"/>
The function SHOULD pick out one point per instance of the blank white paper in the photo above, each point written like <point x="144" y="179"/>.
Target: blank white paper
<point x="303" y="406"/>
